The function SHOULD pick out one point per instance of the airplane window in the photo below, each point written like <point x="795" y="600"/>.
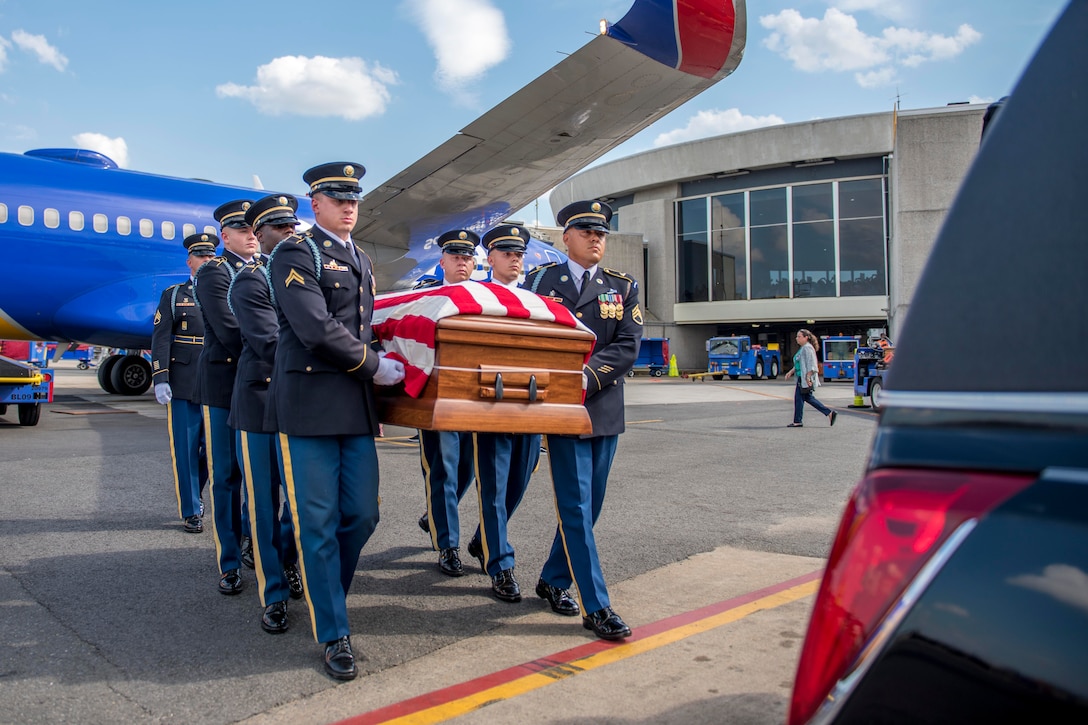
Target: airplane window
<point x="100" y="223"/>
<point x="3" y="213"/>
<point x="75" y="221"/>
<point x="51" y="217"/>
<point x="188" y="230"/>
<point x="26" y="215"/>
<point x="168" y="230"/>
<point x="124" y="226"/>
<point x="147" y="227"/>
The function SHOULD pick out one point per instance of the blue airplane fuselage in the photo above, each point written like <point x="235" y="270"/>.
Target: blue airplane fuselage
<point x="88" y="247"/>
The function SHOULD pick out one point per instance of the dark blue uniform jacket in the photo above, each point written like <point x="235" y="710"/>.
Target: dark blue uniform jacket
<point x="177" y="341"/>
<point x="321" y="381"/>
<point x="222" y="340"/>
<point x="251" y="302"/>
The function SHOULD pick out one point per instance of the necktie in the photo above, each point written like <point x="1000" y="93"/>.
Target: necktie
<point x="584" y="282"/>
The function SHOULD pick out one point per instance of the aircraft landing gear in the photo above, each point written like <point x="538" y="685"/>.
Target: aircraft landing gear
<point x="125" y="375"/>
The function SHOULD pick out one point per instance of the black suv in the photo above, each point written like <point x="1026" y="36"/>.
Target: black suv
<point x="956" y="589"/>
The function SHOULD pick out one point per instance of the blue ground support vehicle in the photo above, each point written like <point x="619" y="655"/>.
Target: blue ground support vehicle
<point x="25" y="381"/>
<point x="736" y="356"/>
<point x="653" y="357"/>
<point x="870" y="366"/>
<point x="839" y="353"/>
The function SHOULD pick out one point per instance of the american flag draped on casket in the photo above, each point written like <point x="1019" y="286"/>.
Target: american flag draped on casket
<point x="405" y="323"/>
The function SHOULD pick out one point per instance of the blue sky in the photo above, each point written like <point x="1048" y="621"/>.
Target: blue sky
<point x="229" y="91"/>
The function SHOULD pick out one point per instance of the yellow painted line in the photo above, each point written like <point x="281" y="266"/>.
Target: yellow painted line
<point x="443" y="705"/>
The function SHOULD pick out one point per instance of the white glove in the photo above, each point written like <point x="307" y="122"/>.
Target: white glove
<point x="163" y="394"/>
<point x="390" y="371"/>
<point x="585" y="382"/>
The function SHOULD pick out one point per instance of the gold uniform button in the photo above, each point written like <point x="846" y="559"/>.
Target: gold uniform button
<point x="578" y="315"/>
<point x="229" y="360"/>
<point x="268" y="380"/>
<point x="309" y="369"/>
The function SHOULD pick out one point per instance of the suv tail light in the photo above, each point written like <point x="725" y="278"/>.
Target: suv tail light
<point x="895" y="520"/>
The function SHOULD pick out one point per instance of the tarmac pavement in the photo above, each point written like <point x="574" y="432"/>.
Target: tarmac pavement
<point x="714" y="530"/>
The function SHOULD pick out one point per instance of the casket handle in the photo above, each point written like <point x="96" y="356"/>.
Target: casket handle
<point x="506" y="384"/>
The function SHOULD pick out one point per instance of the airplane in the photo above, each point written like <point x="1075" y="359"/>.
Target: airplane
<point x="88" y="247"/>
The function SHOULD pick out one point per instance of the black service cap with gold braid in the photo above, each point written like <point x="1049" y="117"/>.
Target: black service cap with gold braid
<point x="339" y="179"/>
<point x="273" y="209"/>
<point x="202" y="245"/>
<point x="459" y="241"/>
<point x="591" y="214"/>
<point x="507" y="238"/>
<point x="233" y="213"/>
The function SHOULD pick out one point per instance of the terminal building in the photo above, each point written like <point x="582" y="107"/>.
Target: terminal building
<point x="824" y="224"/>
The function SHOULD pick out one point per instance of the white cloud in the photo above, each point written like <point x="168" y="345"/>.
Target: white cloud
<point x="37" y="45"/>
<point x="836" y="43"/>
<point x="115" y="148"/>
<point x="318" y="86"/>
<point x="4" y="45"/>
<point x="1064" y="582"/>
<point x="468" y="37"/>
<point x="714" y="123"/>
<point x="921" y="47"/>
<point x="893" y="9"/>
<point x="979" y="99"/>
<point x="876" y="78"/>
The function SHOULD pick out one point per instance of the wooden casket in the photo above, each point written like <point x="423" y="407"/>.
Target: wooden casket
<point x="498" y="375"/>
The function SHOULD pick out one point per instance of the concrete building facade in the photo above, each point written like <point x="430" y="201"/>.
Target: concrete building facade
<point x="824" y="224"/>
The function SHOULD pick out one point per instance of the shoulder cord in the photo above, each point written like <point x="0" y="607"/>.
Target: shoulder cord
<point x="268" y="273"/>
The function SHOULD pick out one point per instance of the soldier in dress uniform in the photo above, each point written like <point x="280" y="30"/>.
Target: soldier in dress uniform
<point x="275" y="554"/>
<point x="324" y="401"/>
<point x="176" y="342"/>
<point x="218" y="368"/>
<point x="607" y="303"/>
<point x="446" y="456"/>
<point x="504" y="461"/>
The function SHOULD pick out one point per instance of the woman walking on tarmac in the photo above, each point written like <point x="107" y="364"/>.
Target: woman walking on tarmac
<point x="808" y="378"/>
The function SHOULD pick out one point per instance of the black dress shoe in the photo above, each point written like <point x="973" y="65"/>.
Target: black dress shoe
<point x="505" y="586"/>
<point x="449" y="561"/>
<point x="339" y="659"/>
<point x="231" y="582"/>
<point x="424" y="523"/>
<point x="476" y="548"/>
<point x="560" y="599"/>
<point x="247" y="551"/>
<point x="294" y="580"/>
<point x="274" y="619"/>
<point x="194" y="525"/>
<point x="606" y="624"/>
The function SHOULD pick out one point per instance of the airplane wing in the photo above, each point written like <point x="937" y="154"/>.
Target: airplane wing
<point x="660" y="55"/>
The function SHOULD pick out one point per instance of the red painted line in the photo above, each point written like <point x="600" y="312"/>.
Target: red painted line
<point x="502" y="677"/>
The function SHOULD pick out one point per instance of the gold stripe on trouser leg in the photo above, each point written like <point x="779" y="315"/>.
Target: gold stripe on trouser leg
<point x="173" y="454"/>
<point x="562" y="535"/>
<point x="479" y="498"/>
<point x="211" y="483"/>
<point x="289" y="485"/>
<point x="427" y="486"/>
<point x="247" y="473"/>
